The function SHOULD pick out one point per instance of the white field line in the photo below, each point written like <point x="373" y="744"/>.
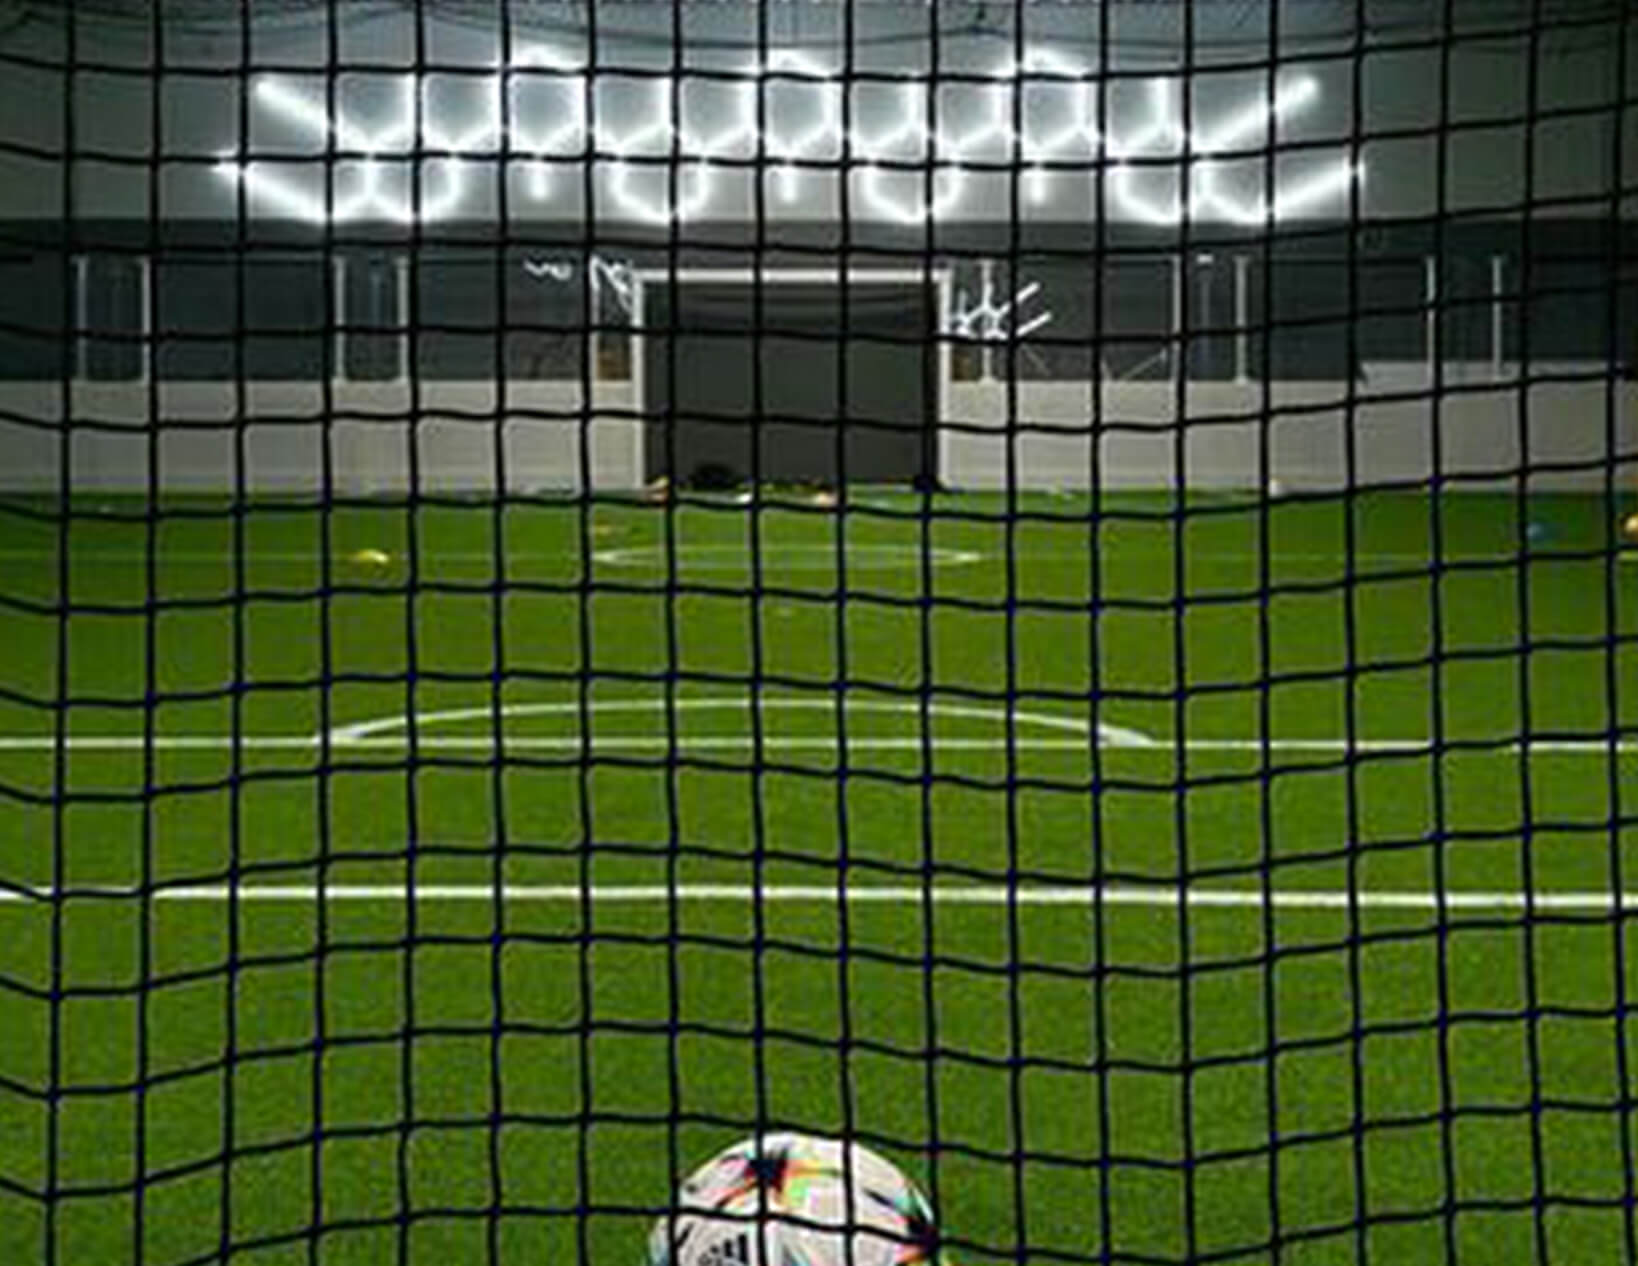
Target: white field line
<point x="392" y="733"/>
<point x="615" y="742"/>
<point x="91" y="554"/>
<point x="1124" y="895"/>
<point x="775" y="556"/>
<point x="734" y="556"/>
<point x="805" y="556"/>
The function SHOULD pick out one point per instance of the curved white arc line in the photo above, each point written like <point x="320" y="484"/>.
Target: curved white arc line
<point x="1114" y="735"/>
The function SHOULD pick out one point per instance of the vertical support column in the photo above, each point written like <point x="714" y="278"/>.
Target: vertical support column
<point x="401" y="268"/>
<point x="81" y="367"/>
<point x="986" y="299"/>
<point x="1242" y="318"/>
<point x="338" y="285"/>
<point x="1206" y="262"/>
<point x="639" y="384"/>
<point x="593" y="346"/>
<point x="944" y="353"/>
<point x="1430" y="298"/>
<point x="1497" y="282"/>
<point x="79" y="370"/>
<point x="147" y="276"/>
<point x="1176" y="350"/>
<point x="351" y="450"/>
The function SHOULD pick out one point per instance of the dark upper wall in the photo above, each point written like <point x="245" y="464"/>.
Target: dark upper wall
<point x="183" y="96"/>
<point x="1297" y="308"/>
<point x="1481" y="77"/>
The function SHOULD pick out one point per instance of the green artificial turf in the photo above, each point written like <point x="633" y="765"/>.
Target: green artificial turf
<point x="476" y="1077"/>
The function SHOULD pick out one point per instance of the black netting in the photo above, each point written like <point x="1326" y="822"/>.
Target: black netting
<point x="1043" y="588"/>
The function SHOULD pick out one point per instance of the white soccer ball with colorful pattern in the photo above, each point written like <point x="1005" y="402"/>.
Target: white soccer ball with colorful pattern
<point x="802" y="1185"/>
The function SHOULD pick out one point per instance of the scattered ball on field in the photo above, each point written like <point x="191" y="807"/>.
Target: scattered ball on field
<point x="372" y="557"/>
<point x="1629" y="528"/>
<point x="1276" y="490"/>
<point x="795" y="1200"/>
<point x="605" y="529"/>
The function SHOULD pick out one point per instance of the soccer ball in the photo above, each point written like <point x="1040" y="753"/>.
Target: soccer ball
<point x="783" y="1200"/>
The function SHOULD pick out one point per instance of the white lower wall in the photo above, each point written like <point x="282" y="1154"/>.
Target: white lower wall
<point x="353" y="440"/>
<point x="1478" y="427"/>
<point x="295" y="437"/>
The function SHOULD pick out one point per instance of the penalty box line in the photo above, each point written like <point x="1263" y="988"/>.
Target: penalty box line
<point x="1001" y="895"/>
